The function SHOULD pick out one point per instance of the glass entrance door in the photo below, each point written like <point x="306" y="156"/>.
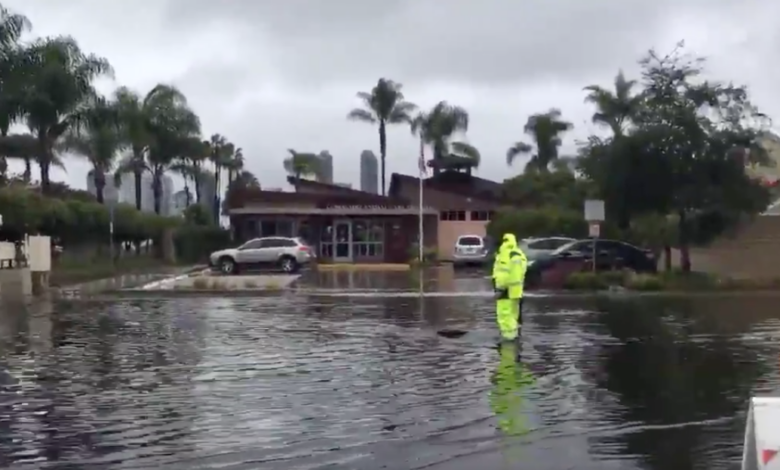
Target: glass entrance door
<point x="342" y="241"/>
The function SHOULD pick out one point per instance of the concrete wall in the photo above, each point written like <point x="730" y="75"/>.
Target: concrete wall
<point x="752" y="252"/>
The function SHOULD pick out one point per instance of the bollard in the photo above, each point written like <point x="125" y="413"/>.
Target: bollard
<point x="762" y="435"/>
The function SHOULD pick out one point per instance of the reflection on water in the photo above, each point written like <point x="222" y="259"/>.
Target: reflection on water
<point x="358" y="382"/>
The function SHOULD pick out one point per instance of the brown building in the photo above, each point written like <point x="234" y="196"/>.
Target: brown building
<point x="347" y="225"/>
<point x="465" y="203"/>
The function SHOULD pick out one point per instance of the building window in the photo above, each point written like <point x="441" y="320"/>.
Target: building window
<point x="368" y="237"/>
<point x="276" y="228"/>
<point x="482" y="215"/>
<point x="453" y="215"/>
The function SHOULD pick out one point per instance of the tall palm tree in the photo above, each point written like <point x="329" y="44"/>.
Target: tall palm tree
<point x="300" y="164"/>
<point x="437" y="128"/>
<point x="220" y="152"/>
<point x="383" y="105"/>
<point x="136" y="113"/>
<point x="545" y="130"/>
<point x="59" y="94"/>
<point x="235" y="165"/>
<point x="614" y="108"/>
<point x="172" y="132"/>
<point x="14" y="65"/>
<point x="99" y="141"/>
<point x="246" y="179"/>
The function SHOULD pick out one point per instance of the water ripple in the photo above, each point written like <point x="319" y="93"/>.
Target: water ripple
<point x="363" y="382"/>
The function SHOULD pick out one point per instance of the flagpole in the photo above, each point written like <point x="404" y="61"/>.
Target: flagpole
<point x="420" y="244"/>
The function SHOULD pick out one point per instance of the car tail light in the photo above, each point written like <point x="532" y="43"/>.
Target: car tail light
<point x="304" y="248"/>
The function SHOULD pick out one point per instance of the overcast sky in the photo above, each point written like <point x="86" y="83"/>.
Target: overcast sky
<point x="272" y="75"/>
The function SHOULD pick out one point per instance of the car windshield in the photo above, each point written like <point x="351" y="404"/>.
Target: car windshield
<point x="470" y="241"/>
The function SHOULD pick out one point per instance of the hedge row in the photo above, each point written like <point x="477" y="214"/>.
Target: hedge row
<point x="74" y="220"/>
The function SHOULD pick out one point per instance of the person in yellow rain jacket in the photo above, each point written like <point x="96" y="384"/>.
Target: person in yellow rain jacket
<point x="506" y="400"/>
<point x="508" y="278"/>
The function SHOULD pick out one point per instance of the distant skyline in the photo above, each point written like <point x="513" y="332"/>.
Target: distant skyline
<point x="297" y="88"/>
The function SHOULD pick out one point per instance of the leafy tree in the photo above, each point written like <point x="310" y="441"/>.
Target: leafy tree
<point x="99" y="140"/>
<point x="221" y="153"/>
<point x="13" y="73"/>
<point x="437" y="128"/>
<point x="615" y="109"/>
<point x="300" y="164"/>
<point x="136" y="114"/>
<point x="383" y="105"/>
<point x="59" y="93"/>
<point x="545" y="130"/>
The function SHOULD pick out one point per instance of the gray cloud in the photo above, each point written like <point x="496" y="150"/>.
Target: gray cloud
<point x="487" y="41"/>
<point x="275" y="75"/>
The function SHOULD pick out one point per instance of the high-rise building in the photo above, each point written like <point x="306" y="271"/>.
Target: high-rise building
<point x="110" y="192"/>
<point x="208" y="188"/>
<point x="127" y="193"/>
<point x="180" y="200"/>
<point x="326" y="167"/>
<point x="369" y="172"/>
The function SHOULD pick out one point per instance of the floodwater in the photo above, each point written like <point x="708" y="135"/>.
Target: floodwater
<point x="364" y="382"/>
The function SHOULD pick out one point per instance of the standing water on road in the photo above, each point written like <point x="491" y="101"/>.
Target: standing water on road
<point x="327" y="382"/>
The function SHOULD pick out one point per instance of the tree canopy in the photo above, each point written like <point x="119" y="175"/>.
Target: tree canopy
<point x="48" y="84"/>
<point x="677" y="151"/>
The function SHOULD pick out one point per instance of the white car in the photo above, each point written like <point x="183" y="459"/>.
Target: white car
<point x="470" y="250"/>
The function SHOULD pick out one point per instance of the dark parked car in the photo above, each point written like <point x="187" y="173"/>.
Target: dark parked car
<point x="610" y="254"/>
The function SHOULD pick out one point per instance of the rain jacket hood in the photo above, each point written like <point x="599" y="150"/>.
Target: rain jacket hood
<point x="509" y="242"/>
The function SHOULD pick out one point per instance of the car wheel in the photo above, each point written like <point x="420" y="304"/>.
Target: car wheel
<point x="288" y="264"/>
<point x="227" y="266"/>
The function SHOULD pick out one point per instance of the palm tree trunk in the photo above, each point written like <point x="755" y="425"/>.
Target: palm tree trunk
<point x="27" y="170"/>
<point x="186" y="193"/>
<point x="157" y="191"/>
<point x="137" y="178"/>
<point x="100" y="185"/>
<point x="217" y="188"/>
<point x="383" y="151"/>
<point x="45" y="166"/>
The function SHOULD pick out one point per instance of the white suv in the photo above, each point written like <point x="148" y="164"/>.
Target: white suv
<point x="284" y="253"/>
<point x="470" y="250"/>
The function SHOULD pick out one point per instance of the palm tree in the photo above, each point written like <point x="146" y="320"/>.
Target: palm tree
<point x="13" y="62"/>
<point x="59" y="93"/>
<point x="437" y="129"/>
<point x="383" y="105"/>
<point x="614" y="109"/>
<point x="220" y="152"/>
<point x="172" y="131"/>
<point x="136" y="114"/>
<point x="300" y="164"/>
<point x="235" y="165"/>
<point x="545" y="130"/>
<point x="99" y="140"/>
<point x="246" y="179"/>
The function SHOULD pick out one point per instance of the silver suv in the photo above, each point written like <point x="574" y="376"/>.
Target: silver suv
<point x="284" y="253"/>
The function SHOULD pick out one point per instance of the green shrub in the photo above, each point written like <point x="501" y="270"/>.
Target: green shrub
<point x="194" y="243"/>
<point x="585" y="281"/>
<point x="614" y="278"/>
<point x="645" y="282"/>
